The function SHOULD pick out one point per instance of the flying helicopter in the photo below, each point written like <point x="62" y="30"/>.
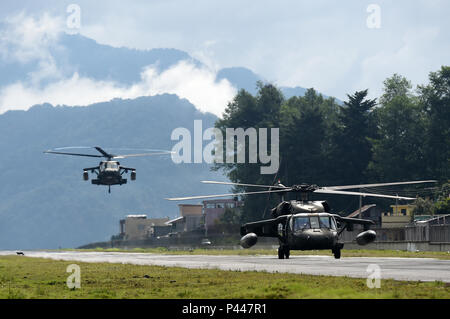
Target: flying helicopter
<point x="302" y="224"/>
<point x="109" y="172"/>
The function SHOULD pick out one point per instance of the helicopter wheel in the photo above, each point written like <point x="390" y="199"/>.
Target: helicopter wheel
<point x="337" y="253"/>
<point x="287" y="252"/>
<point x="280" y="253"/>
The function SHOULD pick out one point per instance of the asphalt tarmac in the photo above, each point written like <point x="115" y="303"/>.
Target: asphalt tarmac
<point x="411" y="269"/>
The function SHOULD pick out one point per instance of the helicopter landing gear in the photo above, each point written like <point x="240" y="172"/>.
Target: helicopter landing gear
<point x="336" y="253"/>
<point x="109" y="189"/>
<point x="283" y="252"/>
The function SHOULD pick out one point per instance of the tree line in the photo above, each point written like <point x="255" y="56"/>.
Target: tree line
<point x="402" y="135"/>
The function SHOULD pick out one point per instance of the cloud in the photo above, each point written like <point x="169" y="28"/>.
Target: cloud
<point x="196" y="84"/>
<point x="25" y="38"/>
<point x="410" y="59"/>
<point x="31" y="39"/>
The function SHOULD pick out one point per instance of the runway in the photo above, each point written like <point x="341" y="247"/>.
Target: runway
<point x="411" y="269"/>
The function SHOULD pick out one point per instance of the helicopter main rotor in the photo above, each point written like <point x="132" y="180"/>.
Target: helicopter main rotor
<point x="105" y="154"/>
<point x="305" y="189"/>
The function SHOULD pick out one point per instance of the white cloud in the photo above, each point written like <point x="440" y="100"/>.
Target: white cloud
<point x="30" y="38"/>
<point x="196" y="84"/>
<point x="27" y="38"/>
<point x="410" y="59"/>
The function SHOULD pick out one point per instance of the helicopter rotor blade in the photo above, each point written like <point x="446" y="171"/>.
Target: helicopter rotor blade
<point x="107" y="155"/>
<point x="240" y="184"/>
<point x="142" y="154"/>
<point x="226" y="195"/>
<point x="73" y="154"/>
<point x="331" y="191"/>
<point x="376" y="185"/>
<point x="104" y="153"/>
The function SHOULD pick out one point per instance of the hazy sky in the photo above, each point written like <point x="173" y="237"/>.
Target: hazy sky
<point x="335" y="47"/>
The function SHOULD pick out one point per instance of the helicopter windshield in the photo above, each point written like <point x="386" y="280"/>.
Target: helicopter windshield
<point x="111" y="165"/>
<point x="314" y="222"/>
<point x="301" y="223"/>
<point x="327" y="222"/>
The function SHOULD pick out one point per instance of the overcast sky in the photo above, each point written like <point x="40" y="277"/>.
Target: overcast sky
<point x="335" y="47"/>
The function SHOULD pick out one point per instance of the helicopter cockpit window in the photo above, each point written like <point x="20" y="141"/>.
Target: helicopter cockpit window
<point x="333" y="223"/>
<point x="301" y="223"/>
<point x="111" y="165"/>
<point x="325" y="221"/>
<point x="314" y="222"/>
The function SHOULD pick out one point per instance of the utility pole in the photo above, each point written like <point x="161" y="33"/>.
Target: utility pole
<point x="360" y="204"/>
<point x="396" y="205"/>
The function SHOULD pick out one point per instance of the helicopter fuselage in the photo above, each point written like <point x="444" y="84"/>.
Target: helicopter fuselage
<point x="302" y="225"/>
<point x="308" y="225"/>
<point x="109" y="173"/>
<point x="307" y="231"/>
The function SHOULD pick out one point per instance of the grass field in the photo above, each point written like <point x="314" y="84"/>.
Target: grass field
<point x="25" y="277"/>
<point x="246" y="252"/>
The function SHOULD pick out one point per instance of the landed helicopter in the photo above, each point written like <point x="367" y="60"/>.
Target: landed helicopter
<point x="108" y="172"/>
<point x="302" y="224"/>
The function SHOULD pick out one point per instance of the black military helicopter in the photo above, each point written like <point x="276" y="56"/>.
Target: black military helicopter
<point x="302" y="224"/>
<point x="109" y="172"/>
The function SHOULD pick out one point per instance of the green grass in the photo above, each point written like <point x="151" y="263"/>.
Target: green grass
<point x="247" y="252"/>
<point x="25" y="277"/>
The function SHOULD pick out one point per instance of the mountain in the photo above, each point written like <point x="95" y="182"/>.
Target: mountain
<point x="44" y="203"/>
<point x="76" y="53"/>
<point x="243" y="78"/>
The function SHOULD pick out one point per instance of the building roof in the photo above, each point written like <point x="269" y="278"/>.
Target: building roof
<point x="136" y="216"/>
<point x="158" y="221"/>
<point x="193" y="205"/>
<point x="176" y="220"/>
<point x="224" y="200"/>
<point x="363" y="209"/>
<point x="439" y="218"/>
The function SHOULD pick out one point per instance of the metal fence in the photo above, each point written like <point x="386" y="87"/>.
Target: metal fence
<point x="422" y="233"/>
<point x="440" y="233"/>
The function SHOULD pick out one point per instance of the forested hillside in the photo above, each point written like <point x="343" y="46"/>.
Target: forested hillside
<point x="402" y="135"/>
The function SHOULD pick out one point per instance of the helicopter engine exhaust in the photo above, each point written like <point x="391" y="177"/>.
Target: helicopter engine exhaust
<point x="366" y="237"/>
<point x="249" y="240"/>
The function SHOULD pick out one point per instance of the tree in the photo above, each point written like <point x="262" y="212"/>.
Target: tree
<point x="303" y="134"/>
<point x="423" y="207"/>
<point x="395" y="86"/>
<point x="398" y="151"/>
<point x="230" y="216"/>
<point x="442" y="205"/>
<point x="435" y="99"/>
<point x="351" y="146"/>
<point x="247" y="111"/>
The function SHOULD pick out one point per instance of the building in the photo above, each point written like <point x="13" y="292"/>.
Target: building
<point x="398" y="216"/>
<point x="213" y="209"/>
<point x="371" y="212"/>
<point x="138" y="227"/>
<point x="191" y="218"/>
